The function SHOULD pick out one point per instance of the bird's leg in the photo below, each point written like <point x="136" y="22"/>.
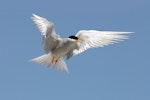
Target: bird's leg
<point x="52" y="59"/>
<point x="57" y="60"/>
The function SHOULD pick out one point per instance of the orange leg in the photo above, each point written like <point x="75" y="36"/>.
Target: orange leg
<point x="52" y="59"/>
<point x="57" y="60"/>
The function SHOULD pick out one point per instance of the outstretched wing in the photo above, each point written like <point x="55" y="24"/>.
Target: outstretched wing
<point x="94" y="39"/>
<point x="50" y="38"/>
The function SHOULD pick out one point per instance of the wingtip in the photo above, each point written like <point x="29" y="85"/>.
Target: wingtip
<point x="34" y="16"/>
<point x="125" y="32"/>
<point x="129" y="32"/>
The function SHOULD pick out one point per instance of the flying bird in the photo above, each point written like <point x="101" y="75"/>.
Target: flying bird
<point x="56" y="48"/>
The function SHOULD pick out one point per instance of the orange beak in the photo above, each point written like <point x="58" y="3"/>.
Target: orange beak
<point x="79" y="40"/>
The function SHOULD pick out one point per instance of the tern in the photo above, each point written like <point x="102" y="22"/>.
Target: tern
<point x="56" y="48"/>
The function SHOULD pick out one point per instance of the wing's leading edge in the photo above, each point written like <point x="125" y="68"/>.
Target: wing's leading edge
<point x="94" y="39"/>
<point x="46" y="27"/>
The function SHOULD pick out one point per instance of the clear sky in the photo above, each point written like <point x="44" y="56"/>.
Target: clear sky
<point x="116" y="72"/>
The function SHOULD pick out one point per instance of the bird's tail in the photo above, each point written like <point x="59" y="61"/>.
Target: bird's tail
<point x="47" y="59"/>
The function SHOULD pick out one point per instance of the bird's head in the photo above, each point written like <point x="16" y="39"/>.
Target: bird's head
<point x="75" y="38"/>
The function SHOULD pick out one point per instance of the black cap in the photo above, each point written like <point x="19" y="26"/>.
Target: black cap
<point x="73" y="37"/>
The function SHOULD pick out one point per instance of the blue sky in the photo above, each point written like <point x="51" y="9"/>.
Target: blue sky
<point x="115" y="72"/>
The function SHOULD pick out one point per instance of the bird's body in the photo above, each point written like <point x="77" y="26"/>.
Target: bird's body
<point x="62" y="48"/>
<point x="56" y="47"/>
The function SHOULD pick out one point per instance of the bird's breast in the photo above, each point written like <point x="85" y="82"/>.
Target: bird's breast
<point x="62" y="49"/>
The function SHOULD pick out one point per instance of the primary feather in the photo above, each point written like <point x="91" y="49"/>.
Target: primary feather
<point x="94" y="39"/>
<point x="50" y="38"/>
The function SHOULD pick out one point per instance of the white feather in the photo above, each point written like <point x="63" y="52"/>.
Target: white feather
<point x="46" y="61"/>
<point x="95" y="39"/>
<point x="43" y="24"/>
<point x="47" y="30"/>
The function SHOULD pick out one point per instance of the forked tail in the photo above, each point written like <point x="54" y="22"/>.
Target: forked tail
<point x="47" y="59"/>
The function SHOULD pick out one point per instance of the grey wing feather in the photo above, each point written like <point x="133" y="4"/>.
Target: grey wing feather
<point x="94" y="39"/>
<point x="50" y="38"/>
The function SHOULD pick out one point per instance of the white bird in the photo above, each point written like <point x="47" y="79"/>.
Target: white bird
<point x="56" y="47"/>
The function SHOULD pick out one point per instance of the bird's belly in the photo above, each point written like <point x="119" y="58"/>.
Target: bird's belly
<point x="60" y="52"/>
